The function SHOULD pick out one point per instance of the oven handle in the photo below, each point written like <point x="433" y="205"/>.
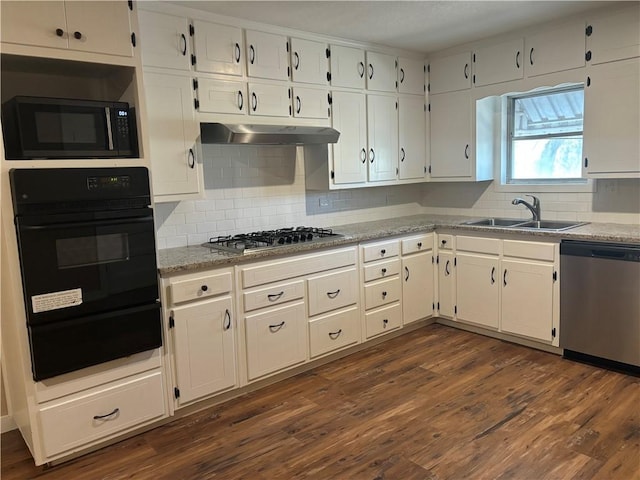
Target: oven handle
<point x="92" y="223"/>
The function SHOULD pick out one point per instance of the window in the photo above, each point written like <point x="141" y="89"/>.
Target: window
<point x="545" y="137"/>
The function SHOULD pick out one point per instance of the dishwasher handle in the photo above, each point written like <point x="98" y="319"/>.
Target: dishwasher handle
<point x="607" y="251"/>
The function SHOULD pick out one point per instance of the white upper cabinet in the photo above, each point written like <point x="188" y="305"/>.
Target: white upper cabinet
<point x="221" y="96"/>
<point x="309" y="62"/>
<point x="382" y="133"/>
<point x="310" y="103"/>
<point x="347" y="67"/>
<point x="349" y="117"/>
<point x="381" y="72"/>
<point x="451" y="147"/>
<point x="217" y="48"/>
<point x="267" y="55"/>
<point x="555" y="50"/>
<point x="498" y="63"/>
<point x="269" y="100"/>
<point x="449" y="74"/>
<point x="164" y="40"/>
<point x="614" y="36"/>
<point x="94" y="27"/>
<point x="412" y="131"/>
<point x="612" y="120"/>
<point x="410" y="76"/>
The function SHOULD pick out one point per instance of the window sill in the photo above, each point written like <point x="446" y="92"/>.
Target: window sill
<point x="588" y="187"/>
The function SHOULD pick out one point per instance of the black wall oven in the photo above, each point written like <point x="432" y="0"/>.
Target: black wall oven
<point x="87" y="253"/>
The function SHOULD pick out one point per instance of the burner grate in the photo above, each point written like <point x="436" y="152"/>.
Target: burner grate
<point x="269" y="238"/>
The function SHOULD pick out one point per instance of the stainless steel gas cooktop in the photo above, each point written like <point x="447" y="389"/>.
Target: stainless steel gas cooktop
<point x="246" y="242"/>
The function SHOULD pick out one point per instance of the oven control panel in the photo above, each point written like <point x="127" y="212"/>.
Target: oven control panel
<point x="109" y="182"/>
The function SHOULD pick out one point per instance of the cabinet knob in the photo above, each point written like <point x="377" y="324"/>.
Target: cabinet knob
<point x="204" y="288"/>
<point x="77" y="35"/>
<point x="384" y="294"/>
<point x="383" y="251"/>
<point x="384" y="323"/>
<point x="419" y="244"/>
<point x="384" y="271"/>
<point x="59" y="32"/>
<point x="444" y="242"/>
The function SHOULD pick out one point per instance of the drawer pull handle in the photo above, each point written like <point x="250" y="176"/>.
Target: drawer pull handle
<point x="406" y="270"/>
<point x="447" y="272"/>
<point x="275" y="328"/>
<point x="227" y="320"/>
<point x="107" y="415"/>
<point x="419" y="244"/>
<point x="384" y="271"/>
<point x="383" y="251"/>
<point x="384" y="323"/>
<point x="334" y="335"/>
<point x="204" y="288"/>
<point x="275" y="296"/>
<point x="384" y="294"/>
<point x="333" y="294"/>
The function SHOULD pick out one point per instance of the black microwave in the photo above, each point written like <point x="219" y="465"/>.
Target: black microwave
<point x="49" y="128"/>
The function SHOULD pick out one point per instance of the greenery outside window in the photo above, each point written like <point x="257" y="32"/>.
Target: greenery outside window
<point x="544" y="144"/>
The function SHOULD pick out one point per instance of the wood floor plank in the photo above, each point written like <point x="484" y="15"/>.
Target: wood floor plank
<point x="434" y="404"/>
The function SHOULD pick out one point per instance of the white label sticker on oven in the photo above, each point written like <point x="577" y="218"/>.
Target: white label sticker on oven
<point x="56" y="300"/>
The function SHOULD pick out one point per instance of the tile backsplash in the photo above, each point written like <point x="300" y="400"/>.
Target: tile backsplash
<point x="251" y="188"/>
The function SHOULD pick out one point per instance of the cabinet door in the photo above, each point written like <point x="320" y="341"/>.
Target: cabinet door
<point x="267" y="55"/>
<point x="269" y="100"/>
<point x="309" y="62"/>
<point x="543" y="53"/>
<point x="382" y="134"/>
<point x="347" y="67"/>
<point x="412" y="130"/>
<point x="217" y="48"/>
<point x="349" y="117"/>
<point x="310" y="103"/>
<point x="164" y="40"/>
<point x="477" y="289"/>
<point x="498" y="63"/>
<point x="417" y="287"/>
<point x="34" y="23"/>
<point x="172" y="132"/>
<point x="102" y="27"/>
<point x="410" y="76"/>
<point x="449" y="74"/>
<point x="276" y="339"/>
<point x="204" y="348"/>
<point x="381" y="72"/>
<point x="612" y="120"/>
<point x="446" y="284"/>
<point x="527" y="298"/>
<point x="450" y="141"/>
<point x="614" y="37"/>
<point x="220" y="96"/>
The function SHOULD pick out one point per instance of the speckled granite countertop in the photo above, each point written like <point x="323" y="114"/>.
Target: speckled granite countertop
<point x="186" y="259"/>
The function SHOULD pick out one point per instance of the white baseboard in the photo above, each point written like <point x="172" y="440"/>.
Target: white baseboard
<point x="7" y="424"/>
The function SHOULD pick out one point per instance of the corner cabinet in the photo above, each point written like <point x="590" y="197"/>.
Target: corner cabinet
<point x="417" y="277"/>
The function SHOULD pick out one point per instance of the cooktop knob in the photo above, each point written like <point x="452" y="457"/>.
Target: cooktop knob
<point x="281" y="240"/>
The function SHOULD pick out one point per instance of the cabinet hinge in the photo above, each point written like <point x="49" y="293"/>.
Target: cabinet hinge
<point x="191" y="30"/>
<point x="474" y="78"/>
<point x="425" y="169"/>
<point x="396" y="105"/>
<point x="287" y="46"/>
<point x="429" y="68"/>
<point x="333" y="174"/>
<point x="429" y="87"/>
<point x="429" y="107"/>
<point x="329" y="98"/>
<point x="589" y="30"/>
<point x="289" y="72"/>
<point x="130" y="3"/>
<point x="176" y="392"/>
<point x="438" y="305"/>
<point x="290" y="111"/>
<point x="588" y="81"/>
<point x="133" y="39"/>
<point x="193" y="59"/>
<point x="196" y="103"/>
<point x="474" y="58"/>
<point x="433" y="306"/>
<point x="396" y="63"/>
<point x="553" y="332"/>
<point x="555" y="276"/>
<point x="455" y="309"/>
<point x="455" y="261"/>
<point x="424" y="68"/>
<point x="425" y="107"/>
<point x="195" y="83"/>
<point x="438" y="259"/>
<point x="586" y="162"/>
<point x="429" y="168"/>
<point x="328" y="76"/>
<point x="328" y="52"/>
<point x="396" y="84"/>
<point x="397" y="171"/>
<point x="587" y="56"/>
<point x="433" y="259"/>
<point x="172" y="322"/>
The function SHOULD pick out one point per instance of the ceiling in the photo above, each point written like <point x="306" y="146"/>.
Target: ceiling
<point x="421" y="26"/>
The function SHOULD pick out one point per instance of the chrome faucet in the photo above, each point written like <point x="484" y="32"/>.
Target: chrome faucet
<point x="535" y="208"/>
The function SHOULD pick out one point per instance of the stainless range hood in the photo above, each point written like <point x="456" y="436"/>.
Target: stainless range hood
<point x="266" y="134"/>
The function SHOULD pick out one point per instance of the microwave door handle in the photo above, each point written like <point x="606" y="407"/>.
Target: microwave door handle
<point x="107" y="113"/>
<point x="94" y="223"/>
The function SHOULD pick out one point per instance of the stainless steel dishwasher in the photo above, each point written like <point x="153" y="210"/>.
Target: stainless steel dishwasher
<point x="600" y="303"/>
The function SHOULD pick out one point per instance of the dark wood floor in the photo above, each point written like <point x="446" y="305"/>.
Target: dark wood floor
<point x="437" y="403"/>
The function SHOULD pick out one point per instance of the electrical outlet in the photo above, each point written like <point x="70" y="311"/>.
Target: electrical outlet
<point x="323" y="201"/>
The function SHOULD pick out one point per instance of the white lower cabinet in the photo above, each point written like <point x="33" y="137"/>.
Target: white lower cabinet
<point x="383" y="320"/>
<point x="478" y="289"/>
<point x="336" y="330"/>
<point x="417" y="278"/>
<point x="276" y="339"/>
<point x="446" y="276"/>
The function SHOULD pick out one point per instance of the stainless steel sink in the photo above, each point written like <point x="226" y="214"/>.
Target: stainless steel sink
<point x="496" y="222"/>
<point x="550" y="225"/>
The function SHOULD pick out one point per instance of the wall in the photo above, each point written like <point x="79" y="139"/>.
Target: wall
<point x="251" y="188"/>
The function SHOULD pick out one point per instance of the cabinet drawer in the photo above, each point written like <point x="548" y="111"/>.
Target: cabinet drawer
<point x="378" y="251"/>
<point x="276" y="339"/>
<point x="334" y="331"/>
<point x="332" y="290"/>
<point x="383" y="320"/>
<point x="419" y="243"/>
<point x="123" y="405"/>
<point x="382" y="269"/>
<point x="532" y="250"/>
<point x="297" y="266"/>
<point x="382" y="292"/>
<point x="273" y="295"/>
<point x="478" y="244"/>
<point x="445" y="242"/>
<point x="199" y="286"/>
